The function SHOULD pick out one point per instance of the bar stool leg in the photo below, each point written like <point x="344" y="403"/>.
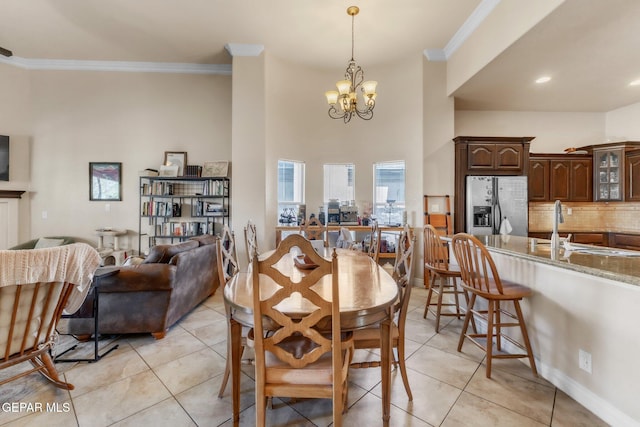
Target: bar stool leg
<point x="490" y="326"/>
<point x="469" y="315"/>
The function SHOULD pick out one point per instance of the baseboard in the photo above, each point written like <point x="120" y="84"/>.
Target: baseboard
<point x="594" y="403"/>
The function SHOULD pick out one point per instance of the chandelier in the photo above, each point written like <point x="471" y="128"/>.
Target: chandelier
<point x="344" y="103"/>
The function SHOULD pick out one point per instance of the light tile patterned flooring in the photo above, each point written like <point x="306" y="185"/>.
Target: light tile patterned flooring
<point x="174" y="382"/>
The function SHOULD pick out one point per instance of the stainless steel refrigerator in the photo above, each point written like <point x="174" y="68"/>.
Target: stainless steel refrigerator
<point x="497" y="205"/>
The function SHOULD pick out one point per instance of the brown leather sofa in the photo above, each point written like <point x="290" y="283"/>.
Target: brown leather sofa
<point x="151" y="296"/>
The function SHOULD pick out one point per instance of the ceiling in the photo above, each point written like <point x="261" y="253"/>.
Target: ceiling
<point x="591" y="52"/>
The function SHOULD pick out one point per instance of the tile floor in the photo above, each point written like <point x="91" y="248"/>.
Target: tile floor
<point x="174" y="382"/>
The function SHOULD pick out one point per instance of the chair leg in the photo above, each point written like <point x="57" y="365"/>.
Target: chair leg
<point x="498" y="326"/>
<point x="49" y="371"/>
<point x="403" y="369"/>
<point x="227" y="372"/>
<point x="429" y="294"/>
<point x="525" y="336"/>
<point x="456" y="291"/>
<point x="439" y="307"/>
<point x="490" y="326"/>
<point x="467" y="316"/>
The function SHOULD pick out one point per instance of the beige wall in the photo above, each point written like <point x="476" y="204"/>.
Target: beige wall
<point x="299" y="128"/>
<point x="82" y="117"/>
<point x="506" y="23"/>
<point x="622" y="124"/>
<point x="553" y="131"/>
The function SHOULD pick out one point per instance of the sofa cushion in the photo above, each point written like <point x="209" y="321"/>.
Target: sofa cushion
<point x="163" y="253"/>
<point x="46" y="242"/>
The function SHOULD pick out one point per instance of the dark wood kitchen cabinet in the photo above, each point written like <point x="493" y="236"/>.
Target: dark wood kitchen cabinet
<point x="485" y="155"/>
<point x="616" y="171"/>
<point x="565" y="177"/>
<point x="495" y="157"/>
<point x="632" y="179"/>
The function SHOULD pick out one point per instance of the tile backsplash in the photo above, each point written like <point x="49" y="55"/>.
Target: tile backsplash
<point x="600" y="216"/>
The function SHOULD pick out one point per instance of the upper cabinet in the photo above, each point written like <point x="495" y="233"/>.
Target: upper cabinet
<point x="632" y="181"/>
<point x="565" y="177"/>
<point x="616" y="170"/>
<point x="495" y="157"/>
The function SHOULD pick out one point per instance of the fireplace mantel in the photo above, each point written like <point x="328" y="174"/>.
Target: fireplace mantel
<point x="11" y="194"/>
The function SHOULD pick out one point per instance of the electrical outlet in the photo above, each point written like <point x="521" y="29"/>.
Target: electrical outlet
<point x="569" y="211"/>
<point x="584" y="360"/>
<point x="44" y="215"/>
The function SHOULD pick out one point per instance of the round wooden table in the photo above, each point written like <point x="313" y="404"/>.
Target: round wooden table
<point x="367" y="296"/>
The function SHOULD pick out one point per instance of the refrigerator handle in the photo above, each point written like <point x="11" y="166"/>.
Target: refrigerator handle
<point x="497" y="215"/>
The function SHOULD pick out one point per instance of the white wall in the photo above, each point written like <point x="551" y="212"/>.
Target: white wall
<point x="82" y="117"/>
<point x="623" y="124"/>
<point x="553" y="131"/>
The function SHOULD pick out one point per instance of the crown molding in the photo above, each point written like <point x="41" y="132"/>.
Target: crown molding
<point x="466" y="29"/>
<point x="239" y="49"/>
<point x="435" y="54"/>
<point x="117" y="66"/>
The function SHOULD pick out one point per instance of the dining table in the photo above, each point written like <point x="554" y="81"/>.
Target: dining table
<point x="367" y="297"/>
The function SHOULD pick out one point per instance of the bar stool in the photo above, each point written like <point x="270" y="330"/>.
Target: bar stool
<point x="480" y="277"/>
<point x="436" y="262"/>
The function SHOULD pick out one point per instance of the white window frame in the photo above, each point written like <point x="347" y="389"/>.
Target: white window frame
<point x="389" y="213"/>
<point x="331" y="174"/>
<point x="298" y="197"/>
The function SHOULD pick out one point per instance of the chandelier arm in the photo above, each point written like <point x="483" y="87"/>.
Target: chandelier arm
<point x="366" y="114"/>
<point x="334" y="114"/>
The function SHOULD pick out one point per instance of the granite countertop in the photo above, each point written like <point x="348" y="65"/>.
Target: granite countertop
<point x="609" y="263"/>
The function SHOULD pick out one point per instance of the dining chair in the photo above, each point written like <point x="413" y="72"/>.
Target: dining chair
<point x="303" y="356"/>
<point x="369" y="338"/>
<point x="481" y="279"/>
<point x="250" y="240"/>
<point x="437" y="266"/>
<point x="227" y="261"/>
<point x="374" y="242"/>
<point x="314" y="231"/>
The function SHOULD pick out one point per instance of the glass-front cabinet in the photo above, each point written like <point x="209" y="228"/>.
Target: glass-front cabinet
<point x="608" y="170"/>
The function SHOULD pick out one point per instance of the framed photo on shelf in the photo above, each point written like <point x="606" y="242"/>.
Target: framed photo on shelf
<point x="105" y="181"/>
<point x="215" y="169"/>
<point x="169" y="171"/>
<point x="176" y="158"/>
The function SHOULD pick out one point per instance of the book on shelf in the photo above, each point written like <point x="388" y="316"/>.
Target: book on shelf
<point x="149" y="172"/>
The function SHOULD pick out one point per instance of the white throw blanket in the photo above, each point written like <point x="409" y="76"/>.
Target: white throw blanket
<point x="75" y="263"/>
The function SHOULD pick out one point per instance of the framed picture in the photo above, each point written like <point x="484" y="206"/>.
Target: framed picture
<point x="105" y="181"/>
<point x="176" y="158"/>
<point x="215" y="169"/>
<point x="169" y="171"/>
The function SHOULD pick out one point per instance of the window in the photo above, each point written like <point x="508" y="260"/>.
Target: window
<point x="339" y="182"/>
<point x="389" y="197"/>
<point x="290" y="189"/>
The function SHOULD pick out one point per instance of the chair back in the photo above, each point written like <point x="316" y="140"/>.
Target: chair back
<point x="436" y="251"/>
<point x="314" y="230"/>
<point x="227" y="257"/>
<point x="291" y="327"/>
<point x="403" y="273"/>
<point x="478" y="271"/>
<point x="251" y="240"/>
<point x="36" y="287"/>
<point x="374" y="241"/>
<point x="29" y="315"/>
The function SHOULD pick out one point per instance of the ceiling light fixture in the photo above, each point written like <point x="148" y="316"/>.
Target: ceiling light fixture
<point x="343" y="103"/>
<point x="635" y="83"/>
<point x="543" y="79"/>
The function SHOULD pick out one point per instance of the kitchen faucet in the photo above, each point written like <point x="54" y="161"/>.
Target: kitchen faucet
<point x="557" y="219"/>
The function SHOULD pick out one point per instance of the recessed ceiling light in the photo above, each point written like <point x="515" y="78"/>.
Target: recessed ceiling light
<point x="543" y="79"/>
<point x="635" y="83"/>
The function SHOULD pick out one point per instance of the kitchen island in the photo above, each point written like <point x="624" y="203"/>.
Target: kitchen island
<point x="585" y="303"/>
